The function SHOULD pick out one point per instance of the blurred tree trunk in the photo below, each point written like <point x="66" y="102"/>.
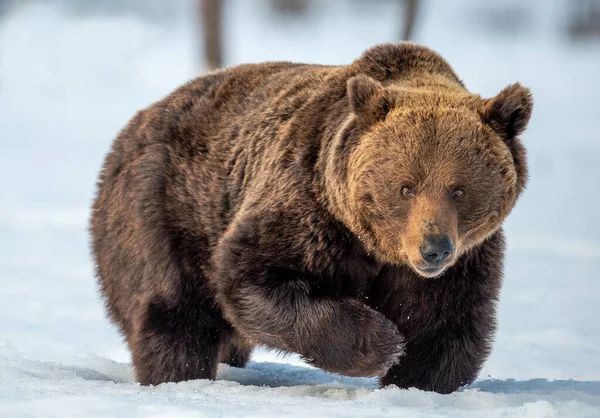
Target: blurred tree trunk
<point x="584" y="18"/>
<point x="211" y="12"/>
<point x="293" y="7"/>
<point x="410" y="17"/>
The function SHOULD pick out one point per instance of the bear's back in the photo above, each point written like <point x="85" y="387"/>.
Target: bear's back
<point x="210" y="143"/>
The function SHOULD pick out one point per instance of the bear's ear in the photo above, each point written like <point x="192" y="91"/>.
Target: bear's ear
<point x="508" y="113"/>
<point x="367" y="97"/>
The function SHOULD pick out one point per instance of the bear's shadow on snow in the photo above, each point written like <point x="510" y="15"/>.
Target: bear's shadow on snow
<point x="284" y="375"/>
<point x="542" y="386"/>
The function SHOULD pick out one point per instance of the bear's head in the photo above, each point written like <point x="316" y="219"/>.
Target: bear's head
<point x="431" y="172"/>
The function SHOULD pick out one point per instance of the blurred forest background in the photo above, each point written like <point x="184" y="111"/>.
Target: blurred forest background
<point x="579" y="20"/>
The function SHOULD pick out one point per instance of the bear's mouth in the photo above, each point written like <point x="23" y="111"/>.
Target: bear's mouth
<point x="430" y="272"/>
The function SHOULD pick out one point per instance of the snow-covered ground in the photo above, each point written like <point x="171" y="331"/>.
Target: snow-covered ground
<point x="69" y="83"/>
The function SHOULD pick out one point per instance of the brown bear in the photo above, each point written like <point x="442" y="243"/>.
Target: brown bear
<point x="351" y="214"/>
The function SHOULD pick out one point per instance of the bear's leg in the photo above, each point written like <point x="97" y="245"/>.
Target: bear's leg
<point x="235" y="352"/>
<point x="441" y="361"/>
<point x="448" y="324"/>
<point x="283" y="309"/>
<point x="176" y="343"/>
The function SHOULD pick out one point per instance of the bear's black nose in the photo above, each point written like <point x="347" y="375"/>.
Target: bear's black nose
<point x="436" y="248"/>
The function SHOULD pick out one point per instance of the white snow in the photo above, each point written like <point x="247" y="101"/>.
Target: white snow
<point x="69" y="83"/>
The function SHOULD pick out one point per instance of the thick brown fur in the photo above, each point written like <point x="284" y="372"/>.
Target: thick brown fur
<point x="266" y="204"/>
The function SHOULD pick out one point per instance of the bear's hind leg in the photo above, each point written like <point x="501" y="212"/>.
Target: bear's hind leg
<point x="236" y="352"/>
<point x="173" y="344"/>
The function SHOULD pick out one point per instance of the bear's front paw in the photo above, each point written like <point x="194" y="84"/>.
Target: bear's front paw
<point x="381" y="349"/>
<point x="368" y="344"/>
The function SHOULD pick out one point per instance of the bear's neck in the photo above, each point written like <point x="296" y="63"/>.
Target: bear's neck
<point x="330" y="184"/>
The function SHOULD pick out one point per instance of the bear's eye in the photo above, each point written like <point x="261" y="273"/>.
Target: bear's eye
<point x="458" y="194"/>
<point x="407" y="191"/>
